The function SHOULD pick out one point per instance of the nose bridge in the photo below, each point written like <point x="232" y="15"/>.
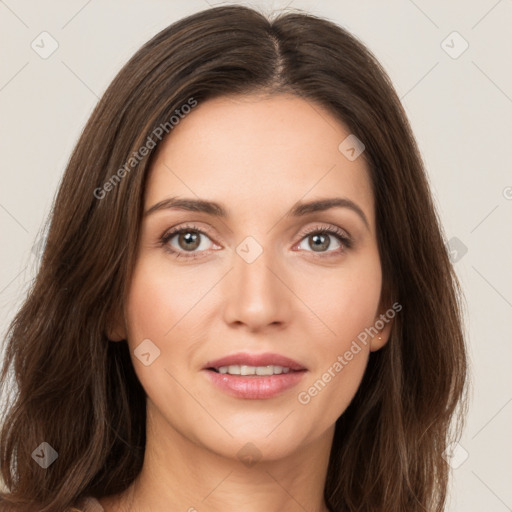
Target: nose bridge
<point x="255" y="295"/>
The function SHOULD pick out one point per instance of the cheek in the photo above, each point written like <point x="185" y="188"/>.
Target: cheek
<point x="346" y="302"/>
<point x="165" y="306"/>
<point x="160" y="307"/>
<point x="160" y="300"/>
<point x="156" y="309"/>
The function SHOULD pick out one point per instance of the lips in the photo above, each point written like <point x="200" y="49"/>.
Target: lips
<point x="245" y="359"/>
<point x="270" y="375"/>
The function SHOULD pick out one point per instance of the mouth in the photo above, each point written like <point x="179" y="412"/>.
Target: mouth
<point x="246" y="370"/>
<point x="234" y="364"/>
<point x="254" y="376"/>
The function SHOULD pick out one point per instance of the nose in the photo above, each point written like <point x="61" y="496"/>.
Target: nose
<point x="257" y="294"/>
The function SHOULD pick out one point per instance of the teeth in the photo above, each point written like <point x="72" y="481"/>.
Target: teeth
<point x="236" y="369"/>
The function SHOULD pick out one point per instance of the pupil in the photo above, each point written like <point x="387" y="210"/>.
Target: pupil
<point x="191" y="240"/>
<point x="320" y="242"/>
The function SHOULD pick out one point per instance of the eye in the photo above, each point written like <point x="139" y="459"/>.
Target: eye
<point x="187" y="239"/>
<point x="191" y="242"/>
<point x="325" y="240"/>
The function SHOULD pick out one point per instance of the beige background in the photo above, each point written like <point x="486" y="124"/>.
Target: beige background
<point x="460" y="109"/>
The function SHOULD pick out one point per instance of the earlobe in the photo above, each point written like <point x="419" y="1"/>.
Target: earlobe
<point x="115" y="336"/>
<point x="116" y="330"/>
<point x="378" y="341"/>
<point x="383" y="323"/>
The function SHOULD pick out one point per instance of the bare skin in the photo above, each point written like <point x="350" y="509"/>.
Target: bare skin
<point x="258" y="156"/>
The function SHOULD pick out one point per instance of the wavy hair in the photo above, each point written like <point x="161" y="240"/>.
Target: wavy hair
<point x="79" y="393"/>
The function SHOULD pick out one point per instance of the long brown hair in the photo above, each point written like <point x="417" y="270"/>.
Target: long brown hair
<point x="79" y="393"/>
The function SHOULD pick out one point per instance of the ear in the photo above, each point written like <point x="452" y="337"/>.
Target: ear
<point x="383" y="323"/>
<point x="382" y="337"/>
<point x="116" y="327"/>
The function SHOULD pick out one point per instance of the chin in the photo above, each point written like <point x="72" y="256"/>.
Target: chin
<point x="263" y="440"/>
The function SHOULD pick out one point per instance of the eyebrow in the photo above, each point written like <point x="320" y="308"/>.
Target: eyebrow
<point x="300" y="209"/>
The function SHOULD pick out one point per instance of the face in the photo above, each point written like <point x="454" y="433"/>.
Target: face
<point x="243" y="267"/>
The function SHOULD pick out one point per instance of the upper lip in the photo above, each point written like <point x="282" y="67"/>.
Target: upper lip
<point x="246" y="359"/>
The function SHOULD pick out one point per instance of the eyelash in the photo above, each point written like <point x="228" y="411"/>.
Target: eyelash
<point x="341" y="235"/>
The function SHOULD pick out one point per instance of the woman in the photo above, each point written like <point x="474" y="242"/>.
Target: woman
<point x="244" y="300"/>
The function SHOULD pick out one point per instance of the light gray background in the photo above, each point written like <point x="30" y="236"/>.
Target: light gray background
<point x="460" y="110"/>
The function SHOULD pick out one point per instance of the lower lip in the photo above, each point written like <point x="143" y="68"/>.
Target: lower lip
<point x="255" y="387"/>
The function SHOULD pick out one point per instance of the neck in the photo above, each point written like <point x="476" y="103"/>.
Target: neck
<point x="179" y="474"/>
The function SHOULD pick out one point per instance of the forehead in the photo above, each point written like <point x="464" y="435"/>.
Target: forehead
<point x="257" y="151"/>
